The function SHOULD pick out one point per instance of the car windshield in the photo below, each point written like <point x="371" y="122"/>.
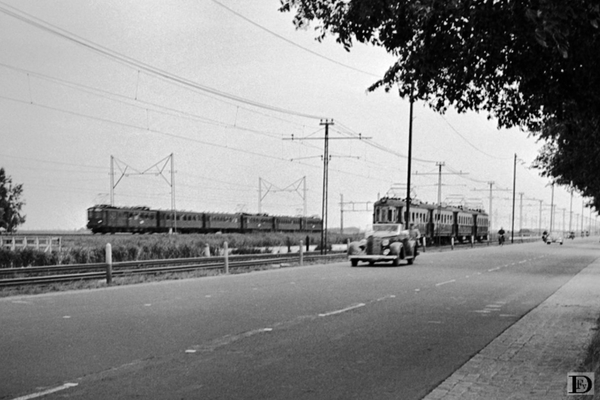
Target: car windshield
<point x="389" y="228"/>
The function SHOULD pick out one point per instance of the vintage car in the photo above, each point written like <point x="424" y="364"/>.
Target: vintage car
<point x="387" y="242"/>
<point x="554" y="237"/>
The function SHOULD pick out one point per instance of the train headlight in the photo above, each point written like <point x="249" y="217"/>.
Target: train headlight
<point x="385" y="242"/>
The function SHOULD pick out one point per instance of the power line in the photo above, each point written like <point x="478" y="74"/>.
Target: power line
<point x="138" y="65"/>
<point x="469" y="143"/>
<point x="293" y="43"/>
<point x="136" y="103"/>
<point x="386" y="149"/>
<point x="168" y="134"/>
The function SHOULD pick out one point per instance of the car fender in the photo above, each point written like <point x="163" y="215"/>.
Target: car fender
<point x="355" y="248"/>
<point x="396" y="248"/>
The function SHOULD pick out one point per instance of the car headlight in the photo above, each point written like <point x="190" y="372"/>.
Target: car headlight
<point x="385" y="242"/>
<point x="386" y="252"/>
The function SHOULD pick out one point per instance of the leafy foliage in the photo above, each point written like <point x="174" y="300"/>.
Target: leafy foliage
<point x="10" y="203"/>
<point x="532" y="64"/>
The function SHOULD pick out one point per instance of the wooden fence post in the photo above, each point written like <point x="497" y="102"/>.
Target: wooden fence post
<point x="108" y="264"/>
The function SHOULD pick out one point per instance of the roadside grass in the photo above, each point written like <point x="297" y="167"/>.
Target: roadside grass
<point x="591" y="363"/>
<point x="134" y="279"/>
<point x="91" y="248"/>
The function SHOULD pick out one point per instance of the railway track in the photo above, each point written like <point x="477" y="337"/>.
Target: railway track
<point x="98" y="271"/>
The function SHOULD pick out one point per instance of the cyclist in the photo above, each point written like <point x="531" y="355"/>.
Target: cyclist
<point x="501" y="233"/>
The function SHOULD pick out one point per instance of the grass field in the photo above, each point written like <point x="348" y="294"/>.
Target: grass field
<point x="81" y="249"/>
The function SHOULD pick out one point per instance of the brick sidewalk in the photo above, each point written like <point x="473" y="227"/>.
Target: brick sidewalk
<point x="531" y="359"/>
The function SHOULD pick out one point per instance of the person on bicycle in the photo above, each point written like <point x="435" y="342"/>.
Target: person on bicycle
<point x="501" y="233"/>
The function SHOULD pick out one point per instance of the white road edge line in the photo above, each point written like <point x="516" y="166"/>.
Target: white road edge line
<point x="342" y="310"/>
<point x="443" y="283"/>
<point x="45" y="392"/>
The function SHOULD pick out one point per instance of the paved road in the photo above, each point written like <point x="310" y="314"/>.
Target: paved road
<point x="316" y="332"/>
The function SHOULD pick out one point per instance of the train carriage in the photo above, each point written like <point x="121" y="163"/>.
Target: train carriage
<point x="481" y="229"/>
<point x="182" y="221"/>
<point x="257" y="223"/>
<point x="222" y="222"/>
<point x="422" y="218"/>
<point x="311" y="224"/>
<point x="287" y="224"/>
<point x="142" y="220"/>
<point x="107" y="219"/>
<point x="444" y="225"/>
<point x="464" y="224"/>
<point x="437" y="223"/>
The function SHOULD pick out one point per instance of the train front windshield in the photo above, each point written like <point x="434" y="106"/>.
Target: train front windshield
<point x="94" y="214"/>
<point x="387" y="228"/>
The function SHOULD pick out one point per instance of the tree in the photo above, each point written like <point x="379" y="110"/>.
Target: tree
<point x="520" y="61"/>
<point x="10" y="203"/>
<point x="532" y="64"/>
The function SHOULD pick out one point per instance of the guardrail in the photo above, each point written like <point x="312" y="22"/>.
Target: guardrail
<point x="109" y="269"/>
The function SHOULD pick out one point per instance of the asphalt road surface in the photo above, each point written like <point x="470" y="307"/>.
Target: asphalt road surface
<point x="314" y="332"/>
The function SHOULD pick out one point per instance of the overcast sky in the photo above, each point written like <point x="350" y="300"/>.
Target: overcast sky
<point x="223" y="87"/>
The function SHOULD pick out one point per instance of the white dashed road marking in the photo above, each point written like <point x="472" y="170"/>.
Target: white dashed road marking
<point x="45" y="392"/>
<point x="327" y="314"/>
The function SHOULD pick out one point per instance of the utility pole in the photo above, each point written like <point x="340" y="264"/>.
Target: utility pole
<point x="326" y="123"/>
<point x="571" y="212"/>
<point x="439" y="210"/>
<point x="582" y="202"/>
<point x="112" y="181"/>
<point x="410" y="131"/>
<point x="552" y="209"/>
<point x="326" y="157"/>
<point x="512" y="230"/>
<point x="540" y="222"/>
<point x="521" y="211"/>
<point x="440" y="164"/>
<point x="491" y="183"/>
<point x="590" y="221"/>
<point x="173" y="193"/>
<point x="341" y="214"/>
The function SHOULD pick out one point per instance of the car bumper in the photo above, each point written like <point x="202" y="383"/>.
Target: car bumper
<point x="373" y="257"/>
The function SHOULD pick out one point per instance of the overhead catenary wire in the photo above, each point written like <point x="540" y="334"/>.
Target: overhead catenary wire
<point x="314" y="53"/>
<point x="157" y="108"/>
<point x="471" y="144"/>
<point x="177" y="136"/>
<point x="139" y="65"/>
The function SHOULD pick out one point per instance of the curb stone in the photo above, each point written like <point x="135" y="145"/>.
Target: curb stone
<point x="531" y="359"/>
